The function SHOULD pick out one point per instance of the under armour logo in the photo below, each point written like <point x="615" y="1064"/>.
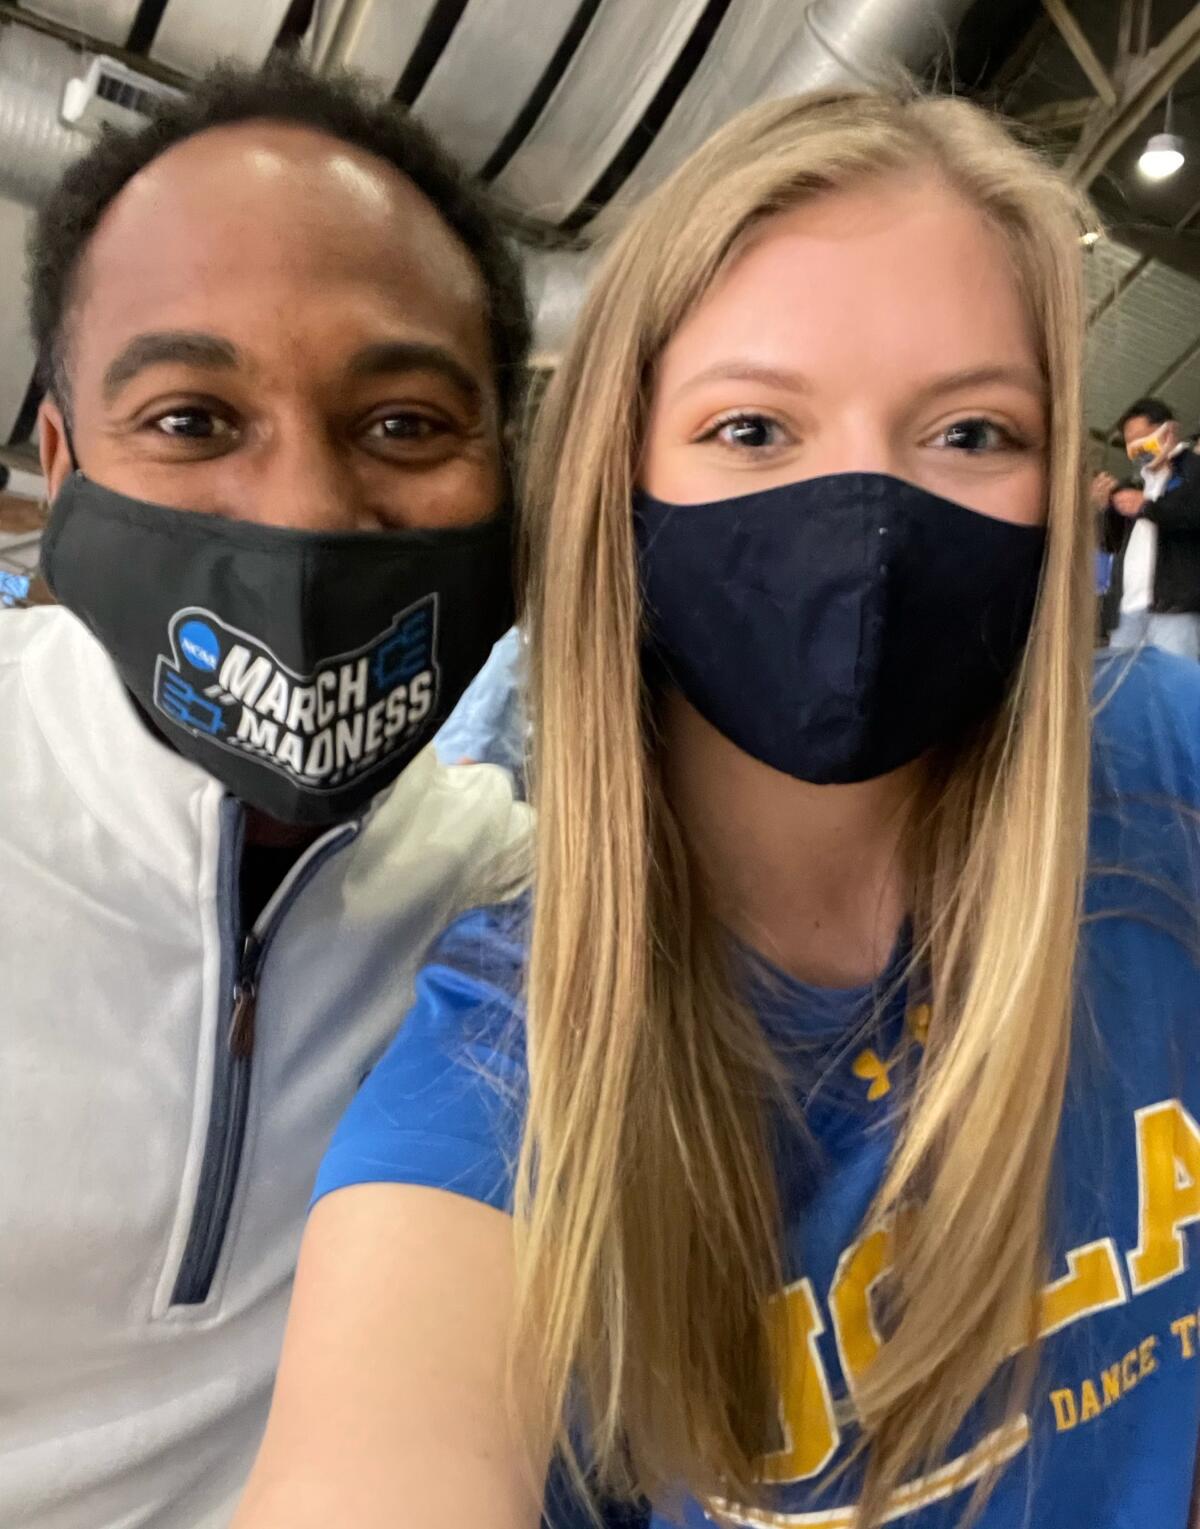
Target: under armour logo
<point x="868" y="1066"/>
<point x="918" y="1022"/>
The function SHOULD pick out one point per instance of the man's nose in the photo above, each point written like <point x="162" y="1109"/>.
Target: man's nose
<point x="304" y="481"/>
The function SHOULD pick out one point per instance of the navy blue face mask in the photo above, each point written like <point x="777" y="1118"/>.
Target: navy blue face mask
<point x="836" y="628"/>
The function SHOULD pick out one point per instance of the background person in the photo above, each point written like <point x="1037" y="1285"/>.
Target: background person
<point x="804" y="1131"/>
<point x="1154" y="533"/>
<point x="284" y="341"/>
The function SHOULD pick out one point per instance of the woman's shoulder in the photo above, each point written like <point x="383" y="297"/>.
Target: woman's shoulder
<point x="444" y="1105"/>
<point x="486" y="946"/>
<point x="1146" y="737"/>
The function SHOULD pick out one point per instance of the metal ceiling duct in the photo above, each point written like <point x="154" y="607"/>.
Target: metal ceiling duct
<point x="34" y="143"/>
<point x="830" y="42"/>
<point x="864" y="41"/>
<point x="557" y="282"/>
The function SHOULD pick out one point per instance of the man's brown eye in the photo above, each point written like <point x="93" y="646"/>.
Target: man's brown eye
<point x="191" y="425"/>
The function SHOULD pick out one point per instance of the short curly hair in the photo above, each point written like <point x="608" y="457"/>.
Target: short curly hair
<point x="1156" y="410"/>
<point x="283" y="91"/>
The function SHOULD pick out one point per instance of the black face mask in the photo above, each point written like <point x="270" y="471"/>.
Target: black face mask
<point x="836" y="628"/>
<point x="301" y="669"/>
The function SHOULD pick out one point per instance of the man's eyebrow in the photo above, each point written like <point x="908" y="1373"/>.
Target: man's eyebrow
<point x="163" y="347"/>
<point x="415" y="356"/>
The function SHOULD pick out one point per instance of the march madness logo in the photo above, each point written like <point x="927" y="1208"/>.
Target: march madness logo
<point x="321" y="729"/>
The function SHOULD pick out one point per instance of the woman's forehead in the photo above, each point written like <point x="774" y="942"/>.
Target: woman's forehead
<point x="896" y="271"/>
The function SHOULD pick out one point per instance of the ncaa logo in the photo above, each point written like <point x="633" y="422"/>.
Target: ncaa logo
<point x="199" y="645"/>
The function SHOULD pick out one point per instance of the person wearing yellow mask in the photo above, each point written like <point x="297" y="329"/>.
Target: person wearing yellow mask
<point x="1156" y="532"/>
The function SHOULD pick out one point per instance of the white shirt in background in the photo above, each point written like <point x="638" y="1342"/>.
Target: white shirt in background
<point x="1141" y="553"/>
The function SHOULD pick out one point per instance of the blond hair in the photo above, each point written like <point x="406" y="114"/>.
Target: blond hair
<point x="648" y="1224"/>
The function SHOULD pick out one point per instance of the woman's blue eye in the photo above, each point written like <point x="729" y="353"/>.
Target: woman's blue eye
<point x="751" y="432"/>
<point x="974" y="435"/>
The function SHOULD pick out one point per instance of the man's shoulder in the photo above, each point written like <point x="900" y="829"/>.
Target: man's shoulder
<point x="22" y="630"/>
<point x="462" y="825"/>
<point x="1185" y="465"/>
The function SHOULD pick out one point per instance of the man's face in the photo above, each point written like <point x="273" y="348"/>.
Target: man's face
<point x="1139" y="428"/>
<point x="272" y="325"/>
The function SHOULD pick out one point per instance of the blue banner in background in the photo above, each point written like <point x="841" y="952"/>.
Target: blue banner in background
<point x="13" y="587"/>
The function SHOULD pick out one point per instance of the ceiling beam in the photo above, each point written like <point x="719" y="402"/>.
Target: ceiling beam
<point x="1133" y="36"/>
<point x="1148" y="80"/>
<point x="1188" y="218"/>
<point x="1060" y="116"/>
<point x="1081" y="49"/>
<point x="1016" y="68"/>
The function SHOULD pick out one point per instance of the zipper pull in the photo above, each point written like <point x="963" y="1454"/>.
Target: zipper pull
<point x="241" y="1025"/>
<point x="245" y="1004"/>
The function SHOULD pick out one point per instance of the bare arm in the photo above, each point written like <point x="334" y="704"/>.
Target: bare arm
<point x="389" y="1406"/>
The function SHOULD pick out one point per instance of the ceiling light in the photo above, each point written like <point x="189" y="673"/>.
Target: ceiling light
<point x="1161" y="157"/>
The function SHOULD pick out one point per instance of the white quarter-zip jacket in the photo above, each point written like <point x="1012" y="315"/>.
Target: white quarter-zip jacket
<point x="167" y="1086"/>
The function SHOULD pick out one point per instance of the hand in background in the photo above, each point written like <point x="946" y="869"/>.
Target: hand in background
<point x="1128" y="501"/>
<point x="1103" y="487"/>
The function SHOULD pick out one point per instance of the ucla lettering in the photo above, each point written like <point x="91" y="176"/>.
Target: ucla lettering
<point x="1092" y="1279"/>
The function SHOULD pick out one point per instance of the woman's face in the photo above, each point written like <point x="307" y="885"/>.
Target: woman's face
<point x="873" y="330"/>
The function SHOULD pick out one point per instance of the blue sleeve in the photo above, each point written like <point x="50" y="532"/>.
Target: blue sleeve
<point x="1147" y="733"/>
<point x="1145" y="827"/>
<point x="488" y="724"/>
<point x="444" y="1106"/>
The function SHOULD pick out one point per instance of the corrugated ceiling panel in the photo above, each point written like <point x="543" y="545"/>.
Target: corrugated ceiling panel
<point x="1182" y="392"/>
<point x="601" y="98"/>
<point x="1103" y="266"/>
<point x="192" y="37"/>
<point x="380" y="39"/>
<point x="1129" y="347"/>
<point x="488" y="71"/>
<point x="106" y="20"/>
<point x="740" y="61"/>
<point x="16" y="348"/>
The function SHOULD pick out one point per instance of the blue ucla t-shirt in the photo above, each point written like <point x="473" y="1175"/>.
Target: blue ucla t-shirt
<point x="1109" y="1436"/>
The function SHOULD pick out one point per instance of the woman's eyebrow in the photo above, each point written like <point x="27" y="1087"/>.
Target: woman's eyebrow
<point x="1023" y="375"/>
<point x="749" y="371"/>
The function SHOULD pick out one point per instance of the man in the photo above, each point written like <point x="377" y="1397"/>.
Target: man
<point x="1154" y="533"/>
<point x="283" y="342"/>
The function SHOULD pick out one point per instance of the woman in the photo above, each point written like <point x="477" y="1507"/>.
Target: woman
<point x="851" y="1151"/>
